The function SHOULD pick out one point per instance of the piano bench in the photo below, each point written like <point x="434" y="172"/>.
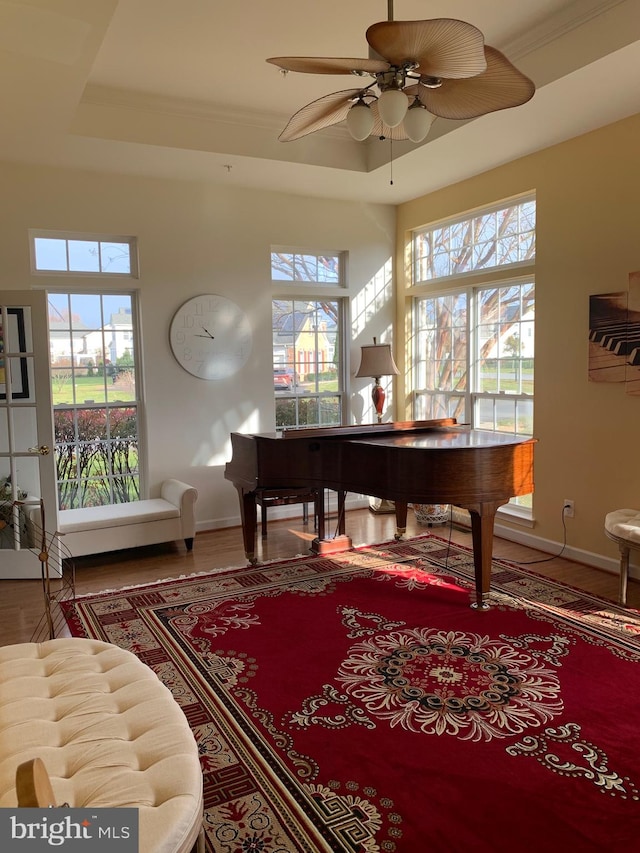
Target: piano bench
<point x="623" y="526"/>
<point x="266" y="498"/>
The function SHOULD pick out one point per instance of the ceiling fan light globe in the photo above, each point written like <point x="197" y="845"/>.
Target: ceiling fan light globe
<point x="392" y="106"/>
<point x="417" y="123"/>
<point x="360" y="121"/>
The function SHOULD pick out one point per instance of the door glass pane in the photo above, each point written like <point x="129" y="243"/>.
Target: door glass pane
<point x="28" y="476"/>
<point x="21" y="372"/>
<point x="5" y="479"/>
<point x="25" y="431"/>
<point x="20" y="523"/>
<point x="4" y="431"/>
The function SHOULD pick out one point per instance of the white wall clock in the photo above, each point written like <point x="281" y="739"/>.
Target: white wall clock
<point x="210" y="337"/>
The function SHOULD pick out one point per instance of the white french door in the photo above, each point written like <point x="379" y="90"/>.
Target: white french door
<point x="27" y="459"/>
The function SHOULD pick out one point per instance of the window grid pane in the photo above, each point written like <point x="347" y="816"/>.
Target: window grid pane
<point x="81" y="255"/>
<point x="501" y="364"/>
<point x="314" y="268"/>
<point x="474" y="351"/>
<point x="95" y="399"/>
<point x="307" y="369"/>
<point x="496" y="238"/>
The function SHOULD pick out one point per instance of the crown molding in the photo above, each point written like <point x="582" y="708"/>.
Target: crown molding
<point x="107" y="96"/>
<point x="185" y="108"/>
<point x="579" y="13"/>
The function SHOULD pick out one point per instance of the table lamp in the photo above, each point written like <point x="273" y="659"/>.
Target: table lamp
<point x="377" y="361"/>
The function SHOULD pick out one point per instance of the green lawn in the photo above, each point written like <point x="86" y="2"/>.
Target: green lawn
<point x="91" y="388"/>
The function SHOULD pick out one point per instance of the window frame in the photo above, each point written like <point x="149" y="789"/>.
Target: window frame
<point x="107" y="404"/>
<point x="472" y="394"/>
<point x="309" y="290"/>
<point x="341" y="372"/>
<point x="471" y="283"/>
<point x="467" y="219"/>
<point x="339" y="256"/>
<point x="77" y="236"/>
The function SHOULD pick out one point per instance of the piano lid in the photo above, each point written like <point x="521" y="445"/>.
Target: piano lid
<point x="354" y="430"/>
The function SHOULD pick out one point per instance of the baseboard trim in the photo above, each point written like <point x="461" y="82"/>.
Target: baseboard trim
<point x="548" y="546"/>
<point x="460" y="518"/>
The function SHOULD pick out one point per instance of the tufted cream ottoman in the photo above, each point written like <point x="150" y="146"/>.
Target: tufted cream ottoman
<point x="109" y="733"/>
<point x="623" y="526"/>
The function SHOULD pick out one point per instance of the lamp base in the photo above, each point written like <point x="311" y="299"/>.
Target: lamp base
<point x="381" y="506"/>
<point x="378" y="396"/>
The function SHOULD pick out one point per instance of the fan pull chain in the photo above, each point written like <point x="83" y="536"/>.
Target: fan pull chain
<point x="391" y="162"/>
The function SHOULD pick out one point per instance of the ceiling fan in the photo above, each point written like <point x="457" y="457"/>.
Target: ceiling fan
<point x="421" y="70"/>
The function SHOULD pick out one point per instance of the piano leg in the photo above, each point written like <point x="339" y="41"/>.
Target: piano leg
<point x="249" y="517"/>
<point x="401" y="519"/>
<point x="320" y="522"/>
<point x="482" y="521"/>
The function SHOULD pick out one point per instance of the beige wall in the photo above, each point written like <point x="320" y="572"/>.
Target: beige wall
<point x="196" y="238"/>
<point x="588" y="241"/>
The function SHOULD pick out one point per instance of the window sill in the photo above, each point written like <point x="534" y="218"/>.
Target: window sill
<point x="516" y="515"/>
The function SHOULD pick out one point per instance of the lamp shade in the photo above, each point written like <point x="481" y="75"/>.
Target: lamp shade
<point x="417" y="122"/>
<point x="360" y="121"/>
<point x="392" y="106"/>
<point x="376" y="361"/>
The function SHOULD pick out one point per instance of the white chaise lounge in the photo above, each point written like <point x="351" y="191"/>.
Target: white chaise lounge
<point x="95" y="530"/>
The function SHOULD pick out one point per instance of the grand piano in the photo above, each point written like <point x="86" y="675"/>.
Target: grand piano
<point x="435" y="461"/>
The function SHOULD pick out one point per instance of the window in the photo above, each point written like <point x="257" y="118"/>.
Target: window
<point x="473" y="342"/>
<point x="308" y="266"/>
<point x="308" y="375"/>
<point x="307" y="362"/>
<point x="500" y="237"/>
<point x="474" y="357"/>
<point x="82" y="254"/>
<point x="96" y="405"/>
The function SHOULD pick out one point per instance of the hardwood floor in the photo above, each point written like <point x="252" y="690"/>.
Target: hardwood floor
<point x="21" y="603"/>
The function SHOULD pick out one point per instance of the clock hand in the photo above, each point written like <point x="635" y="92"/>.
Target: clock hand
<point x="208" y="335"/>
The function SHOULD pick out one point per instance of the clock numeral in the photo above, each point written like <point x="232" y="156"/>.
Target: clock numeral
<point x="180" y="337"/>
<point x="187" y="354"/>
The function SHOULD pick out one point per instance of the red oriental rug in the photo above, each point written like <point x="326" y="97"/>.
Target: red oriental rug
<point x="357" y="703"/>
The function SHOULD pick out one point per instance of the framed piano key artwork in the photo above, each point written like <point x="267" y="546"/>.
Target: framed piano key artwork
<point x="614" y="336"/>
<point x="632" y="374"/>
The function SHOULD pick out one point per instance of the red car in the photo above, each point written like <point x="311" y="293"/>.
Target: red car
<point x="284" y="379"/>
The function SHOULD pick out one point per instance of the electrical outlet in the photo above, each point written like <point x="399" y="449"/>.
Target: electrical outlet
<point x="568" y="508"/>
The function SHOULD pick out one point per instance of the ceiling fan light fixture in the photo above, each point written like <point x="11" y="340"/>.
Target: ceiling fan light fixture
<point x="392" y="106"/>
<point x="417" y="122"/>
<point x="444" y="63"/>
<point x="360" y="120"/>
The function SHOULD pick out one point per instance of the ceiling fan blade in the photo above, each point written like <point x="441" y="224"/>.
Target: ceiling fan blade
<point x="329" y="65"/>
<point x="324" y="112"/>
<point x="500" y="87"/>
<point x="442" y="47"/>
